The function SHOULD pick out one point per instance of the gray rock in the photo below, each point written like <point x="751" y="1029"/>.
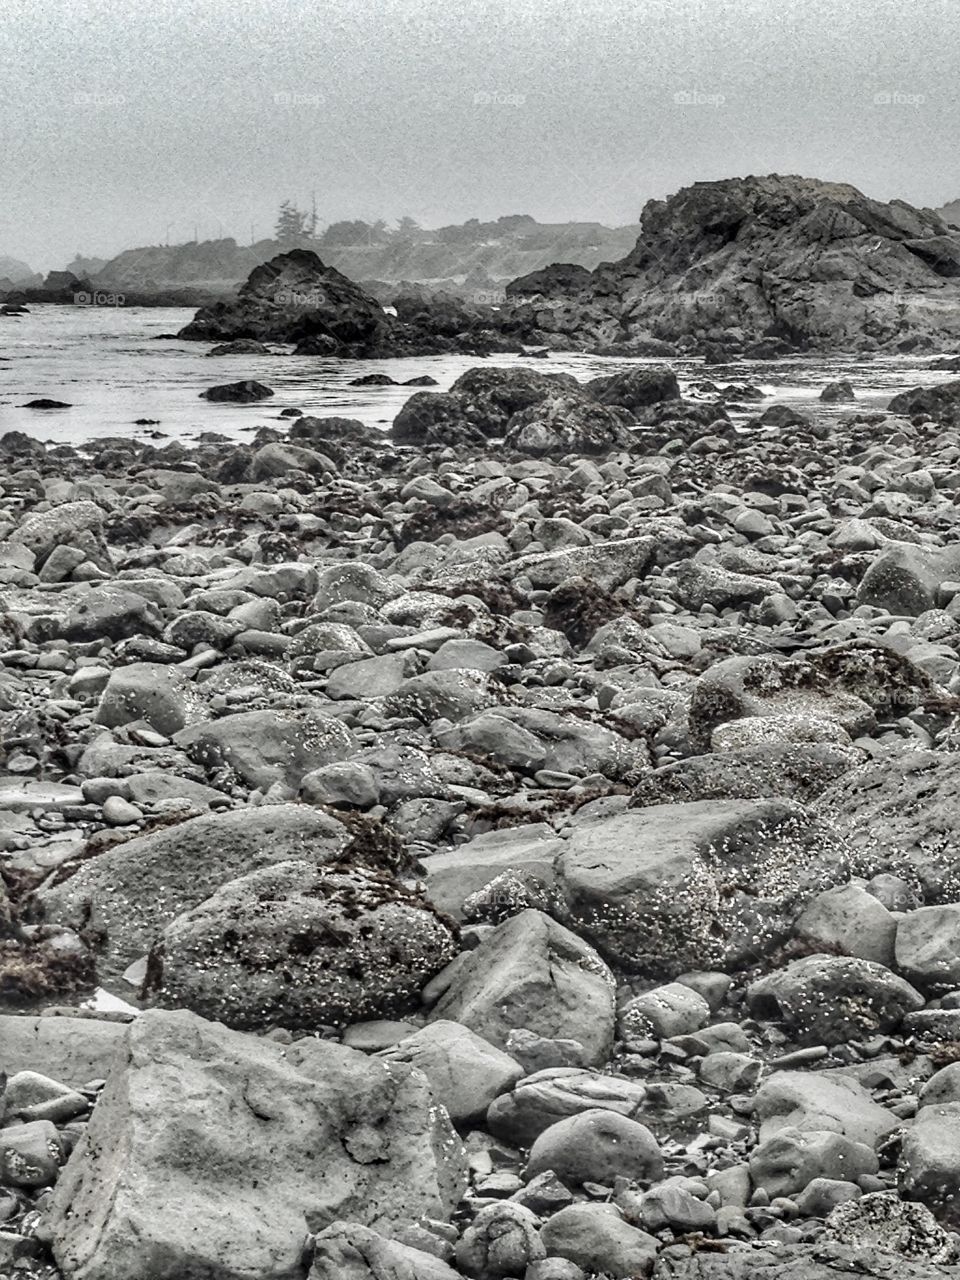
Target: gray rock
<point x="596" y="1238"/>
<point x="851" y="920"/>
<point x="884" y="1222"/>
<point x="303" y="946"/>
<point x="530" y="972"/>
<point x="350" y="1139"/>
<point x="350" y="1251"/>
<point x="264" y="747"/>
<point x="811" y="1100"/>
<point x="596" y="1146"/>
<point x="557" y="1093"/>
<point x="465" y="1072"/>
<point x="929" y="1169"/>
<point x="502" y="1240"/>
<point x="786" y="1163"/>
<point x="927" y="946"/>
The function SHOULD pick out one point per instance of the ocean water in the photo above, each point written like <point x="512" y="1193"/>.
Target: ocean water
<point x="109" y="365"/>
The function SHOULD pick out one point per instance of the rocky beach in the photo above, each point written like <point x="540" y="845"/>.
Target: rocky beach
<point x="521" y="843"/>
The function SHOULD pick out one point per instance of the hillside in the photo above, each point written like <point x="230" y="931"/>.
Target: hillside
<point x="769" y="264"/>
<point x="473" y="256"/>
<point x="17" y="272"/>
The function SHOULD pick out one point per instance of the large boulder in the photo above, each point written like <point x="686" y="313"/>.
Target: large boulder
<point x="296" y="298"/>
<point x="212" y="1153"/>
<point x="679" y="886"/>
<point x="302" y="946"/>
<point x="929" y="1168"/>
<point x="826" y="1260"/>
<point x="159" y="694"/>
<point x="350" y="1251"/>
<point x="124" y="897"/>
<point x="532" y="973"/>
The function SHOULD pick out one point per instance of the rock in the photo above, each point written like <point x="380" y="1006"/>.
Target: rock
<point x="808" y="1100"/>
<point x="596" y="1238"/>
<point x="435" y="695"/>
<point x="850" y="920"/>
<point x="671" y="1207"/>
<point x="671" y="1010"/>
<point x="125" y="896"/>
<point x="823" y="1260"/>
<point x="533" y="973"/>
<point x="245" y="392"/>
<point x="348" y="784"/>
<point x="836" y="392"/>
<point x="943" y="1086"/>
<point x="526" y="853"/>
<point x="302" y="946"/>
<point x="832" y="999"/>
<point x="929" y="1169"/>
<point x="465" y="1072"/>
<point x="635" y="389"/>
<point x="30" y="1154"/>
<point x="644" y="886"/>
<point x="279" y="458"/>
<point x="73" y="1050"/>
<point x="882" y="1221"/>
<point x="906" y="579"/>
<point x="608" y="564"/>
<point x="901" y="815"/>
<point x="596" y="1146"/>
<point x="264" y="747"/>
<point x="350" y="1251"/>
<point x="110" y="612"/>
<point x="556" y="1093"/>
<point x="786" y="1163"/>
<point x="240" y="347"/>
<point x="502" y="1240"/>
<point x="327" y="1134"/>
<point x="569" y="424"/>
<point x="160" y="695"/>
<point x="926" y="947"/>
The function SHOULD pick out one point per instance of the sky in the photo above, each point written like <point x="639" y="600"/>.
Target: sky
<point x="132" y="122"/>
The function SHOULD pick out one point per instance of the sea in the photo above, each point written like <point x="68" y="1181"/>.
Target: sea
<point x="113" y="365"/>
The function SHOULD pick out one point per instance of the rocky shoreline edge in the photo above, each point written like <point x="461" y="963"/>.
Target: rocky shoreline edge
<point x="531" y="837"/>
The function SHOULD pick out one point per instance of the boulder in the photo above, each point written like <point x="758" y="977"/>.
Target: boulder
<point x="904" y="578"/>
<point x="351" y="1251"/>
<point x="596" y="1238"/>
<point x="465" y="1072"/>
<point x="826" y="999"/>
<point x="264" y="747"/>
<point x="159" y="694"/>
<point x="245" y="392"/>
<point x="302" y="946"/>
<point x="569" y="424"/>
<point x="530" y="972"/>
<point x="596" y="1146"/>
<point x="810" y="1100"/>
<point x="326" y="1133"/>
<point x="927" y="947"/>
<point x="556" y="1093"/>
<point x="125" y="896"/>
<point x="645" y="885"/>
<point x="786" y="1163"/>
<point x="929" y="1169"/>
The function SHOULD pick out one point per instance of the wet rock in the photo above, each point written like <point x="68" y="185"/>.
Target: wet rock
<point x="160" y="695"/>
<point x="465" y="1072"/>
<point x="245" y="392"/>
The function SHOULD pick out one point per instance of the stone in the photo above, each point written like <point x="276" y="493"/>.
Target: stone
<point x="645" y="885"/>
<point x="527" y="852"/>
<point x="264" y="747"/>
<point x="671" y="1010"/>
<point x="30" y="1154"/>
<point x="533" y="973"/>
<point x="125" y="896"/>
<point x="596" y="1146"/>
<point x="929" y="1168"/>
<point x="596" y="1238"/>
<point x="851" y="920"/>
<point x="811" y="1100"/>
<point x="72" y="1050"/>
<point x="327" y="1135"/>
<point x="245" y="392"/>
<point x="786" y="1163"/>
<point x="465" y="1072"/>
<point x="557" y="1093"/>
<point x="926" y="946"/>
<point x="832" y="999"/>
<point x="502" y="1240"/>
<point x="351" y="1251"/>
<point x="302" y="946"/>
<point x="882" y="1221"/>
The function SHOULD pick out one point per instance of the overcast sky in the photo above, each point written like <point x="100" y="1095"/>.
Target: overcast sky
<point x="127" y="122"/>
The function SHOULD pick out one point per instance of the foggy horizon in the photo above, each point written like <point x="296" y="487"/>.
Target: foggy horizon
<point x="125" y="133"/>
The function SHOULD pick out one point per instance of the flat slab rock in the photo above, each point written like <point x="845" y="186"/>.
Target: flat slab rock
<point x="799" y="1262"/>
<point x="25" y="793"/>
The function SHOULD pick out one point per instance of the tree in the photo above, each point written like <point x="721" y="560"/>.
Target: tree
<point x="294" y="227"/>
<point x="407" y="226"/>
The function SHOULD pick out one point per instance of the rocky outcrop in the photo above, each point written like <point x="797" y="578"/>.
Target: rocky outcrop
<point x="762" y="264"/>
